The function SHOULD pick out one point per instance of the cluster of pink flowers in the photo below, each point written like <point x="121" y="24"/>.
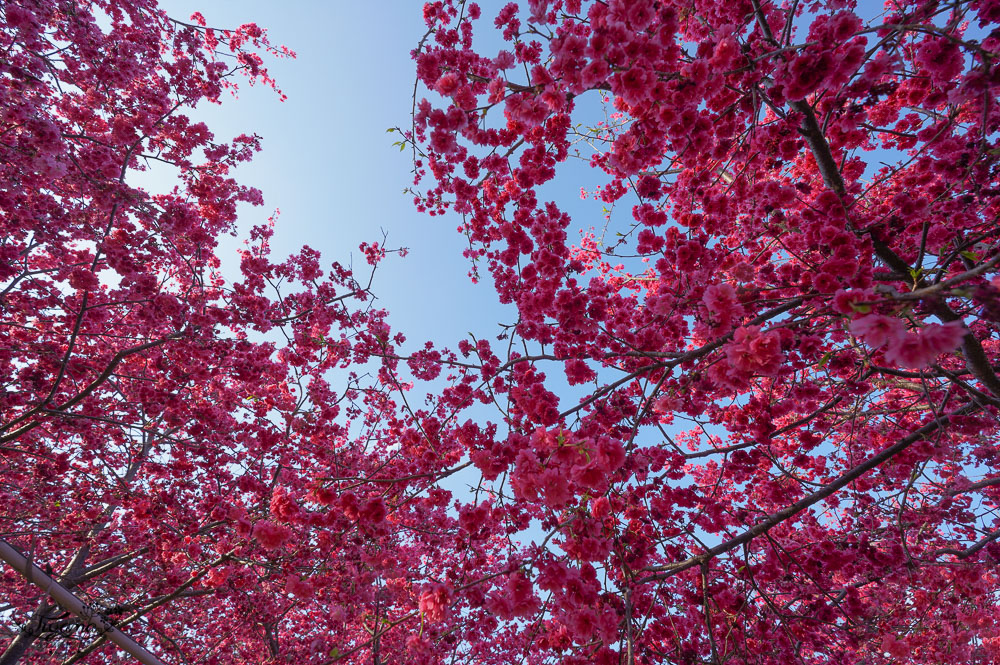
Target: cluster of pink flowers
<point x="555" y="467"/>
<point x="915" y="349"/>
<point x="701" y="437"/>
<point x="434" y="602"/>
<point x="737" y="138"/>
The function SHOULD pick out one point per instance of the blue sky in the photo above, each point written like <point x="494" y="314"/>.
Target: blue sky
<point x="329" y="165"/>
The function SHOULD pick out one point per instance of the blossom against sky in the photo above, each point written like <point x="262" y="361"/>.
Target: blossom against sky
<point x="329" y="165"/>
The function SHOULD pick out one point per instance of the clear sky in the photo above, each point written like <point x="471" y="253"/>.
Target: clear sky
<point x="329" y="165"/>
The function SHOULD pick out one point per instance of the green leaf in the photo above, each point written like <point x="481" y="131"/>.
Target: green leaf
<point x="824" y="360"/>
<point x="969" y="254"/>
<point x="390" y="130"/>
<point x="861" y="308"/>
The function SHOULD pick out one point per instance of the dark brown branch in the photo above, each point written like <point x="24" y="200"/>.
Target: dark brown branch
<point x="787" y="513"/>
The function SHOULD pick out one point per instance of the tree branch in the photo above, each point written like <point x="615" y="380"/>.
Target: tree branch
<point x="71" y="603"/>
<point x="787" y="513"/>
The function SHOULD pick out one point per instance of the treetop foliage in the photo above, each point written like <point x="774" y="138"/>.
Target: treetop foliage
<point x="747" y="416"/>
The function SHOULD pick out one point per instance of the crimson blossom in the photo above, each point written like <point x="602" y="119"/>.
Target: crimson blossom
<point x="169" y="436"/>
<point x="753" y="409"/>
<point x="751" y="420"/>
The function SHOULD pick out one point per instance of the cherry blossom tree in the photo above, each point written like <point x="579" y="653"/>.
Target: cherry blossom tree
<point x="158" y="421"/>
<point x="748" y="414"/>
<point x="754" y="407"/>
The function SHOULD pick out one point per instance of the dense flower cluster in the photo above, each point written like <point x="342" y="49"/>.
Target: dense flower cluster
<point x="916" y="349"/>
<point x="792" y="349"/>
<point x="748" y="416"/>
<point x="171" y="440"/>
